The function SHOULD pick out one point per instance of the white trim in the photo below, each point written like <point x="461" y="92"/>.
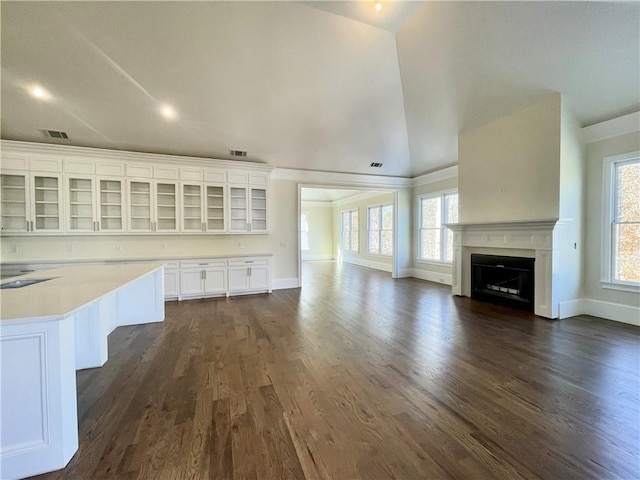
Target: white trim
<point x="337" y="179"/>
<point x="359" y="197"/>
<point x="612" y="128"/>
<point x="437" y="176"/>
<point x="317" y="203"/>
<point x="362" y="262"/>
<point x="430" y="276"/>
<point x="285" y="283"/>
<point x="317" y="258"/>
<point x="40" y="149"/>
<point x="623" y="287"/>
<point x="570" y="308"/>
<point x="608" y="213"/>
<point x="611" y="311"/>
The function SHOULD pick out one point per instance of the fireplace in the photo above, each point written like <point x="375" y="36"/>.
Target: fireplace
<point x="503" y="280"/>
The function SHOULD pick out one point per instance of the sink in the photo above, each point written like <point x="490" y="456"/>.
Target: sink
<point x="23" y="282"/>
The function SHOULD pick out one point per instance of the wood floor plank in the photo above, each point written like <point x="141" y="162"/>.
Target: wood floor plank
<point x="358" y="376"/>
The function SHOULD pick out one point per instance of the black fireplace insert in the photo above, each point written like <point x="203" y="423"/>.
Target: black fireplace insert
<point x="503" y="280"/>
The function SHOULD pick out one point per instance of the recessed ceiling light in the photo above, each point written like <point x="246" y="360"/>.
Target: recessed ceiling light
<point x="378" y="6"/>
<point x="36" y="91"/>
<point x="168" y="111"/>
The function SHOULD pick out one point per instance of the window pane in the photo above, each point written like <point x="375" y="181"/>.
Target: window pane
<point x="374" y="242"/>
<point x="387" y="217"/>
<point x="627" y="261"/>
<point x="387" y="243"/>
<point x="452" y="207"/>
<point x="304" y="223"/>
<point x="345" y="221"/>
<point x="355" y="242"/>
<point x="628" y="194"/>
<point x="430" y="243"/>
<point x="374" y="218"/>
<point x="346" y="236"/>
<point x="431" y="213"/>
<point x="449" y="253"/>
<point x="304" y="241"/>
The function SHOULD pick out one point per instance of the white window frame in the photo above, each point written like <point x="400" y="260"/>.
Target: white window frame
<point x="350" y="213"/>
<point x="380" y="230"/>
<point x="304" y="232"/>
<point x="608" y="219"/>
<point x="444" y="231"/>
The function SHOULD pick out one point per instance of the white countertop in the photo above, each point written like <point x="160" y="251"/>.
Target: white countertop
<point x="72" y="288"/>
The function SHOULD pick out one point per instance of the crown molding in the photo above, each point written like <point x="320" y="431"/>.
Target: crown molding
<point x="612" y="128"/>
<point x="13" y="147"/>
<point x="336" y="178"/>
<point x="316" y="203"/>
<point x="433" y="177"/>
<point x="358" y="197"/>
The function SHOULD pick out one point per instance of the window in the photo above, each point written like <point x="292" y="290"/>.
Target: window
<point x="380" y="233"/>
<point x="622" y="221"/>
<point x="435" y="240"/>
<point x="350" y="230"/>
<point x="304" y="232"/>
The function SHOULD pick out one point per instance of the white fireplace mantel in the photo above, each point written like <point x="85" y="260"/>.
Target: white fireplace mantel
<point x="534" y="236"/>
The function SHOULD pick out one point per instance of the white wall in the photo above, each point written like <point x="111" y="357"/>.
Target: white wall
<point x="509" y="168"/>
<point x="321" y="244"/>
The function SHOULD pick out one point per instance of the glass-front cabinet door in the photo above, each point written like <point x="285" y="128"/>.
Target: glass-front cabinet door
<point x="111" y="205"/>
<point x="81" y="205"/>
<point x="258" y="221"/>
<point x="14" y="212"/>
<point x="166" y="219"/>
<point x="238" y="219"/>
<point x="215" y="211"/>
<point x="140" y="206"/>
<point x="47" y="200"/>
<point x="192" y="219"/>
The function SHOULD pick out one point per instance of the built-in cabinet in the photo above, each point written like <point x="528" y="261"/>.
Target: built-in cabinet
<point x="248" y="274"/>
<point x="203" y="277"/>
<point x="87" y="196"/>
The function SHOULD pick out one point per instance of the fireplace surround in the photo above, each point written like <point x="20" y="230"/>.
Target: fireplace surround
<point x="530" y="238"/>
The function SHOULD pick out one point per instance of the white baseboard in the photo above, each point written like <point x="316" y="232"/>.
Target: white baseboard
<point x="315" y="258"/>
<point x="611" y="311"/>
<point x="368" y="263"/>
<point x="404" y="273"/>
<point x="444" y="278"/>
<point x="571" y="308"/>
<point x="285" y="283"/>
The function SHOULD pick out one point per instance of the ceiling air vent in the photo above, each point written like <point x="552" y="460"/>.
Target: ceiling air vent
<point x="238" y="153"/>
<point x="57" y="134"/>
<point x="375" y="164"/>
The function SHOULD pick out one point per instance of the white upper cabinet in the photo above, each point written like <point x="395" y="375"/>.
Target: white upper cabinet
<point x="77" y="193"/>
<point x="153" y="206"/>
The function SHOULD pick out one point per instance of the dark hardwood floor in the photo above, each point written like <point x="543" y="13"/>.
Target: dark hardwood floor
<point x="361" y="376"/>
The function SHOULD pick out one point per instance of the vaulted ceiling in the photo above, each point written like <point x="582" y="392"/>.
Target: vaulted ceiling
<point x="327" y="86"/>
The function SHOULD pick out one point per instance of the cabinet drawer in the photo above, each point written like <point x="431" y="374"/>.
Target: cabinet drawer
<point x="241" y="262"/>
<point x="191" y="174"/>
<point x="46" y="164"/>
<point x="171" y="265"/>
<point x="202" y="263"/>
<point x="215" y="176"/>
<point x="240" y="178"/>
<point x="74" y="166"/>
<point x="9" y="162"/>
<point x="167" y="173"/>
<point x="140" y="171"/>
<point x="110" y="169"/>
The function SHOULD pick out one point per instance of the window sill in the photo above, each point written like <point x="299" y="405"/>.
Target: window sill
<point x="379" y="255"/>
<point x="623" y="287"/>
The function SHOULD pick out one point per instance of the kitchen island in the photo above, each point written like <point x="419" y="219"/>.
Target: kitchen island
<point x="48" y="330"/>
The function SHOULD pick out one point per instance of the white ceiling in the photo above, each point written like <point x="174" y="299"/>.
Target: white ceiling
<point x="308" y="87"/>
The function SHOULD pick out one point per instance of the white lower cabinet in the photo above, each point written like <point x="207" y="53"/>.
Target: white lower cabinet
<point x="202" y="278"/>
<point x="249" y="275"/>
